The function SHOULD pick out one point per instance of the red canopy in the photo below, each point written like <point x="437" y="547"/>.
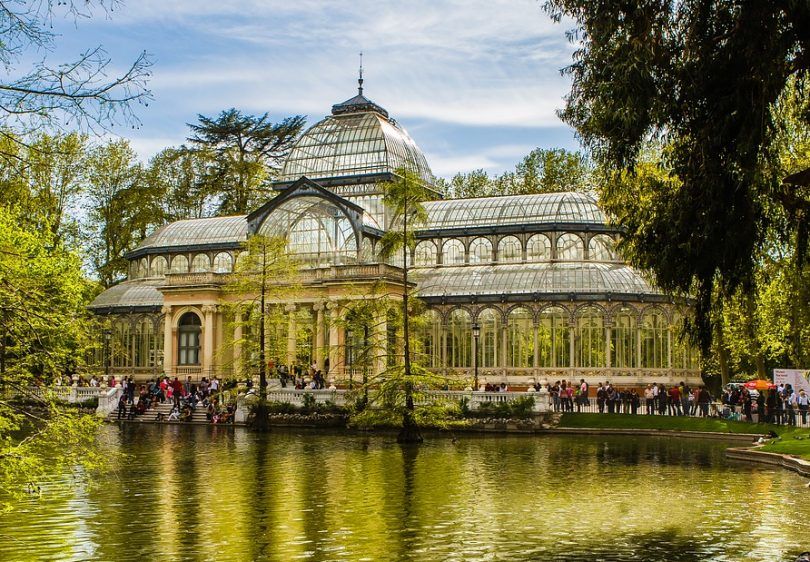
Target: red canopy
<point x="760" y="384"/>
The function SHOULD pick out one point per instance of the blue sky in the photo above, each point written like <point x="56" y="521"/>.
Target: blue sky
<point x="475" y="82"/>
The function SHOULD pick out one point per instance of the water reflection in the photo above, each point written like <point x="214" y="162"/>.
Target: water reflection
<point x="215" y="493"/>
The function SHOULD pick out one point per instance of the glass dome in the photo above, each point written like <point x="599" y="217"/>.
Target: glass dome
<point x="352" y="144"/>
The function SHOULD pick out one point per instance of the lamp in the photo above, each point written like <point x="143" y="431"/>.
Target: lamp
<point x="476" y="332"/>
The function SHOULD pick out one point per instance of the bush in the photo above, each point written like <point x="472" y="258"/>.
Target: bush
<point x="520" y="408"/>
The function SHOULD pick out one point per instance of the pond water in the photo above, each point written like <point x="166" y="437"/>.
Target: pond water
<point x="206" y="493"/>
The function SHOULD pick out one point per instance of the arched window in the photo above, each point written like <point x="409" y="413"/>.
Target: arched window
<point x="425" y="254"/>
<point x="133" y="269"/>
<point x="143" y="268"/>
<point x="654" y="342"/>
<point x="459" y="339"/>
<point x="601" y="248"/>
<point x="553" y="338"/>
<point x="223" y="263"/>
<point x="121" y="344"/>
<point x="490" y="338"/>
<point x="180" y="264"/>
<point x="538" y="248"/>
<point x="589" y="341"/>
<point x="453" y="252"/>
<point x="145" y="344"/>
<point x="509" y="250"/>
<point x="481" y="251"/>
<point x="200" y="264"/>
<point x="429" y="334"/>
<point x="570" y="247"/>
<point x="158" y="267"/>
<point x="188" y="339"/>
<point x="623" y="339"/>
<point x="520" y="328"/>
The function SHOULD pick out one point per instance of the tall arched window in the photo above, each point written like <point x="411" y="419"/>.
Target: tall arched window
<point x="223" y="263"/>
<point x="601" y="248"/>
<point x="489" y="340"/>
<point x="570" y="247"/>
<point x="589" y="342"/>
<point x="538" y="248"/>
<point x="200" y="264"/>
<point x="520" y="328"/>
<point x="188" y="339"/>
<point x="481" y="251"/>
<point x="425" y="254"/>
<point x="144" y="343"/>
<point x="623" y="339"/>
<point x="158" y="267"/>
<point x="180" y="264"/>
<point x="453" y="252"/>
<point x="553" y="338"/>
<point x="459" y="339"/>
<point x="429" y="333"/>
<point x="654" y="343"/>
<point x="143" y="268"/>
<point x="509" y="250"/>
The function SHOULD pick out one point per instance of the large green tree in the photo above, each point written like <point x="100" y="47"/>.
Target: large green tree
<point x="248" y="150"/>
<point x="702" y="76"/>
<point x="180" y="176"/>
<point x="123" y="207"/>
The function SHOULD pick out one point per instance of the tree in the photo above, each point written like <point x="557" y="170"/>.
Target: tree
<point x="43" y="333"/>
<point x="43" y="176"/>
<point x="551" y="171"/>
<point x="248" y="149"/>
<point x="123" y="208"/>
<point x="77" y="93"/>
<point x="404" y="196"/>
<point x="703" y="78"/>
<point x="179" y="175"/>
<point x="543" y="170"/>
<point x="264" y="276"/>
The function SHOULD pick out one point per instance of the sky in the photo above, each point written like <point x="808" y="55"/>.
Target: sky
<point x="475" y="82"/>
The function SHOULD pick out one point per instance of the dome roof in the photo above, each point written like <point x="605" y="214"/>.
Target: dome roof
<point x="357" y="139"/>
<point x="141" y="293"/>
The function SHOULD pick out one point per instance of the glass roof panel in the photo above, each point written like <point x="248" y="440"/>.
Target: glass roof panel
<point x="192" y="232"/>
<point x="531" y="278"/>
<point x="130" y="294"/>
<point x="546" y="208"/>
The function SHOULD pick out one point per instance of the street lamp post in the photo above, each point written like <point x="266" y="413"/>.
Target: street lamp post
<point x="107" y="336"/>
<point x="476" y="331"/>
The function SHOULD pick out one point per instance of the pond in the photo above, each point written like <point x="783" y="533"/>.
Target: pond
<point x="212" y="493"/>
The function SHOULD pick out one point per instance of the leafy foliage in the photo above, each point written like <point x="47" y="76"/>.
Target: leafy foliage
<point x="701" y="78"/>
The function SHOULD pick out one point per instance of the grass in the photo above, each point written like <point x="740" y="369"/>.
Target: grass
<point x="680" y="423"/>
<point x="790" y="442"/>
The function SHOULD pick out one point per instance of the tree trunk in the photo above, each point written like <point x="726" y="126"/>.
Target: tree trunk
<point x="261" y="418"/>
<point x="409" y="432"/>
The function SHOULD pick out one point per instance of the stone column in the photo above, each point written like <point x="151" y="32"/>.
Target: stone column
<point x="291" y="335"/>
<point x="169" y="339"/>
<point x="219" y="348"/>
<point x="335" y="367"/>
<point x="319" y="334"/>
<point x="379" y="343"/>
<point x="503" y="348"/>
<point x="571" y="347"/>
<point x="237" y="344"/>
<point x="208" y="339"/>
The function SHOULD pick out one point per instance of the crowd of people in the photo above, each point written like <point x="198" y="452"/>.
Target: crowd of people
<point x="781" y="405"/>
<point x="300" y="377"/>
<point x="186" y="397"/>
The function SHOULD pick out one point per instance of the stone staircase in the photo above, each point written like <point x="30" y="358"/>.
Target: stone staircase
<point x="152" y="414"/>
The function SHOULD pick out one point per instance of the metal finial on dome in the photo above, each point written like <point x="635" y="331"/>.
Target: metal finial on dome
<point x="360" y="80"/>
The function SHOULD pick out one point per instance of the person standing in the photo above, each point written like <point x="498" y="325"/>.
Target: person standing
<point x="601" y="396"/>
<point x="803" y="403"/>
<point x="649" y="399"/>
